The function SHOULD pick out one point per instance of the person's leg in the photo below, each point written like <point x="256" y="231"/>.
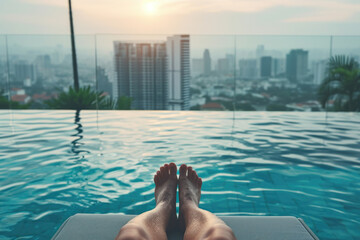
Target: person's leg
<point x="199" y="224"/>
<point x="153" y="224"/>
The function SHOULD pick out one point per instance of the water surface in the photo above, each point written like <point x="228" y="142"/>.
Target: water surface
<point x="54" y="164"/>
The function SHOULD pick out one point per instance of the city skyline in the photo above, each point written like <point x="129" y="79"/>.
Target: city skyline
<point x="253" y="72"/>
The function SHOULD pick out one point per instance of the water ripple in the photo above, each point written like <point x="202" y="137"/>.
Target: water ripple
<point x="53" y="166"/>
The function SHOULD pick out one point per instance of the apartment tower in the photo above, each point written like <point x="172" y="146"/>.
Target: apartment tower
<point x="297" y="65"/>
<point x="178" y="55"/>
<point x="141" y="72"/>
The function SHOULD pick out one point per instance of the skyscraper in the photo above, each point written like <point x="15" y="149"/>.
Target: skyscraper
<point x="223" y="66"/>
<point x="207" y="62"/>
<point x="278" y="66"/>
<point x="265" y="66"/>
<point x="247" y="68"/>
<point x="24" y="71"/>
<point x="178" y="55"/>
<point x="155" y="75"/>
<point x="320" y="68"/>
<point x="226" y="65"/>
<point x="103" y="83"/>
<point x="141" y="71"/>
<point x="297" y="65"/>
<point x="231" y="61"/>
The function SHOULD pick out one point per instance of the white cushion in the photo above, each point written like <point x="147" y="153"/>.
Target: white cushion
<point x="107" y="226"/>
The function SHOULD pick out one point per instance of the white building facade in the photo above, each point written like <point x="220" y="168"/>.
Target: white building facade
<point x="178" y="55"/>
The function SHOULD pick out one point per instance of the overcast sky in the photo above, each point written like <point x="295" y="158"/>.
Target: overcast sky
<point x="288" y="17"/>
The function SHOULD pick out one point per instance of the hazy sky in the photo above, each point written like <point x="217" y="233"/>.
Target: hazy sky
<point x="300" y="17"/>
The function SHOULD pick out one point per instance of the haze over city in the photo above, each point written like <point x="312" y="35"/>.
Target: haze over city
<point x="299" y="17"/>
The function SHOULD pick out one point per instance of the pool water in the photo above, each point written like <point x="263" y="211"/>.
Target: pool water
<point x="54" y="164"/>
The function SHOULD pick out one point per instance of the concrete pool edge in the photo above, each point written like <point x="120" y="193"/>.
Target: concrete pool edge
<point x="106" y="226"/>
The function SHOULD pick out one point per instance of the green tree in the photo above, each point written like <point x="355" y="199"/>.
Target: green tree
<point x="6" y="104"/>
<point x="87" y="98"/>
<point x="342" y="84"/>
<point x="123" y="103"/>
<point x="84" y="98"/>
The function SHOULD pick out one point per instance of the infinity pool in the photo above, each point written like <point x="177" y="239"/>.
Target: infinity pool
<point x="54" y="164"/>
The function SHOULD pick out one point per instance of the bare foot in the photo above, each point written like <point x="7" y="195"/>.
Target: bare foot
<point x="165" y="191"/>
<point x="189" y="191"/>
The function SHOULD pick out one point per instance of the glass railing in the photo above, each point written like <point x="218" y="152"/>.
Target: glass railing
<point x="218" y="72"/>
<point x="303" y="165"/>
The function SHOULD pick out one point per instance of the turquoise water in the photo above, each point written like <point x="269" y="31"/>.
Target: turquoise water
<point x="53" y="165"/>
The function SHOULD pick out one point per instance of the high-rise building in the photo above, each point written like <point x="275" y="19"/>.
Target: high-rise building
<point x="207" y="62"/>
<point x="231" y="62"/>
<point x="43" y="67"/>
<point x="223" y="66"/>
<point x="248" y="68"/>
<point x="103" y="83"/>
<point x="24" y="72"/>
<point x="265" y="66"/>
<point x="297" y="65"/>
<point x="226" y="65"/>
<point x="278" y="66"/>
<point x="155" y="75"/>
<point x="178" y="55"/>
<point x="320" y="71"/>
<point x="141" y="72"/>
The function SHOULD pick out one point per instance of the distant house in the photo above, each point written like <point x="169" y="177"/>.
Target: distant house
<point x="21" y="98"/>
<point x="212" y="106"/>
<point x="308" y="106"/>
<point x="40" y="97"/>
<point x="17" y="91"/>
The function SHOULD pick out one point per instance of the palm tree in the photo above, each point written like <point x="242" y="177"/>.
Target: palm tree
<point x="84" y="98"/>
<point x="87" y="98"/>
<point x="342" y="84"/>
<point x="73" y="49"/>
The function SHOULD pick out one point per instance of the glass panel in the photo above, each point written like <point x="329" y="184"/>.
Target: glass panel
<point x="212" y="72"/>
<point x="5" y="103"/>
<point x="280" y="73"/>
<point x="283" y="73"/>
<point x="40" y="67"/>
<point x="343" y="91"/>
<point x="40" y="71"/>
<point x="4" y="80"/>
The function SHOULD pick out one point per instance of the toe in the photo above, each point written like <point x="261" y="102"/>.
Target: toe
<point x="199" y="182"/>
<point x="173" y="169"/>
<point x="162" y="173"/>
<point x="189" y="172"/>
<point x="167" y="169"/>
<point x="193" y="176"/>
<point x="196" y="177"/>
<point x="156" y="179"/>
<point x="159" y="175"/>
<point x="183" y="169"/>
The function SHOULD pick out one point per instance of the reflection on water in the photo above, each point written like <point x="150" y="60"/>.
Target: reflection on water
<point x="76" y="143"/>
<point x="58" y="163"/>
